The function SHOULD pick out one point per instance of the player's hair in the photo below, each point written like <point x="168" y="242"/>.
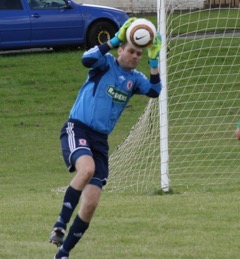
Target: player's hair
<point x="123" y="45"/>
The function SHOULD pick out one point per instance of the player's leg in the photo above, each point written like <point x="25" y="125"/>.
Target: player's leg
<point x="78" y="157"/>
<point x="85" y="168"/>
<point x="89" y="202"/>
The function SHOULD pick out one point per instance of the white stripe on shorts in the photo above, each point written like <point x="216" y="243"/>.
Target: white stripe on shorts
<point x="71" y="136"/>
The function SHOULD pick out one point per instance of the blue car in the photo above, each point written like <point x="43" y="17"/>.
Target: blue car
<point x="56" y="24"/>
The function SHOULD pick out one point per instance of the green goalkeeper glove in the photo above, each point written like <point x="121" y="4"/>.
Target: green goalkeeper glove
<point x="120" y="36"/>
<point x="153" y="51"/>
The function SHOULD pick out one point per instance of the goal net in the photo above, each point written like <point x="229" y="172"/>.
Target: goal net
<point x="203" y="108"/>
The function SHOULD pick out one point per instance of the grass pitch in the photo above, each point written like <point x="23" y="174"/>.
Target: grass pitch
<point x="37" y="92"/>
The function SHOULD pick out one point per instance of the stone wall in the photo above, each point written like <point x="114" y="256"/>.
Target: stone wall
<point x="146" y="6"/>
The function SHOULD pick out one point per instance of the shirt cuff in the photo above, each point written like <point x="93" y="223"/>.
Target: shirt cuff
<point x="154" y="79"/>
<point x="104" y="48"/>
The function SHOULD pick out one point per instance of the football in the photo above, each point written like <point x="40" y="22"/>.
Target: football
<point x="141" y="33"/>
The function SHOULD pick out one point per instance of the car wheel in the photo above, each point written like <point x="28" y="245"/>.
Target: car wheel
<point x="99" y="33"/>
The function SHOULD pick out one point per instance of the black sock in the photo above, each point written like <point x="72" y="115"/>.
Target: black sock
<point x="70" y="202"/>
<point x="76" y="231"/>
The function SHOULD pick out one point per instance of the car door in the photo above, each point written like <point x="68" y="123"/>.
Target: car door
<point x="54" y="23"/>
<point x="14" y="25"/>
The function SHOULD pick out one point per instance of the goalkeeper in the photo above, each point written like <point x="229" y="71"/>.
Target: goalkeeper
<point x="111" y="82"/>
<point x="238" y="131"/>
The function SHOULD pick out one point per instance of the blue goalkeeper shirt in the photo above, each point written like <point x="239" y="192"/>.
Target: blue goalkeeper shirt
<point x="108" y="89"/>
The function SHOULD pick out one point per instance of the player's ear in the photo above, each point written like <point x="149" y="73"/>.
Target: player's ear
<point x="120" y="50"/>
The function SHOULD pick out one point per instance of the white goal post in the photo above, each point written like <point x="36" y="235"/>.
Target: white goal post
<point x="197" y="113"/>
<point x="163" y="100"/>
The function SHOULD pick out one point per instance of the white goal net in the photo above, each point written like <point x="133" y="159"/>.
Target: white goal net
<point x="203" y="88"/>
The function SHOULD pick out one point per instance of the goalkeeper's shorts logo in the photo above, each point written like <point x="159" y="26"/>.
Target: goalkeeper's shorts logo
<point x="82" y="142"/>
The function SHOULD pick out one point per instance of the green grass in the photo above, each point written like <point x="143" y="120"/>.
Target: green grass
<point x="37" y="91"/>
<point x="210" y="20"/>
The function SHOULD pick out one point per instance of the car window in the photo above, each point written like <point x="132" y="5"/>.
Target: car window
<point x="10" y="5"/>
<point x="47" y="4"/>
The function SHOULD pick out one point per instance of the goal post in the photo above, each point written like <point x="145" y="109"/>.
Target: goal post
<point x="195" y="118"/>
<point x="163" y="100"/>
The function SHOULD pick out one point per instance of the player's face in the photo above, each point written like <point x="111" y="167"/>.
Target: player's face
<point x="129" y="57"/>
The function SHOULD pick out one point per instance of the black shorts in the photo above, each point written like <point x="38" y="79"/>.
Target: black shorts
<point x="78" y="139"/>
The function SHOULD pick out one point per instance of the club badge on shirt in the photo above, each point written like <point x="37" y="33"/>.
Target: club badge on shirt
<point x="129" y="85"/>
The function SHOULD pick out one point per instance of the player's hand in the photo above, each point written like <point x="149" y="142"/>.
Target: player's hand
<point x="153" y="51"/>
<point x="120" y="36"/>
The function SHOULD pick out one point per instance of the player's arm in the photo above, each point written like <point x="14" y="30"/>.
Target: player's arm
<point x="155" y="86"/>
<point x="93" y="57"/>
<point x="153" y="54"/>
<point x="154" y="71"/>
<point x="120" y="36"/>
<point x="153" y="61"/>
<point x="149" y="87"/>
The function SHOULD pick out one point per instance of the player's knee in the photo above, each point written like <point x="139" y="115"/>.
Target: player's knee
<point x="86" y="172"/>
<point x="85" y="167"/>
